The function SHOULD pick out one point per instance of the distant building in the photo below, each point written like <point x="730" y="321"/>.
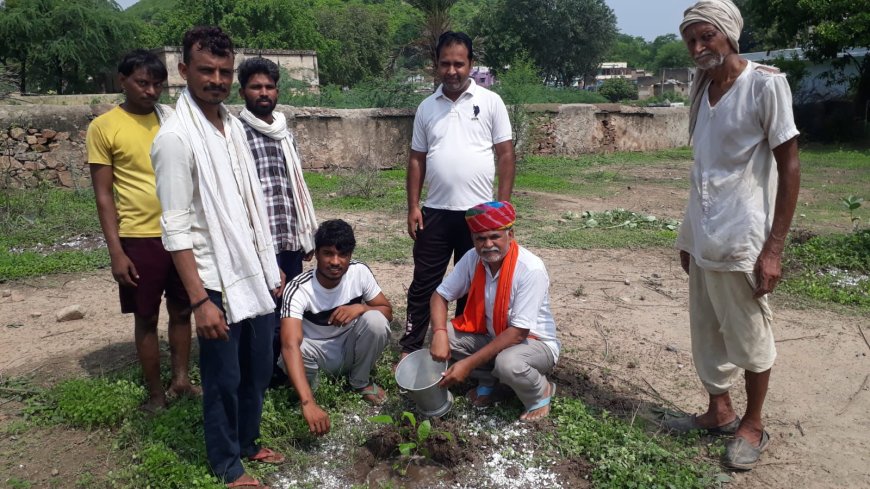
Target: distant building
<point x="815" y="86"/>
<point x="668" y="80"/>
<point x="301" y="65"/>
<point x="483" y="76"/>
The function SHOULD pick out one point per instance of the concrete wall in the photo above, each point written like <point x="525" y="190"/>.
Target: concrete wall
<point x="46" y="143"/>
<point x="300" y="64"/>
<point x="569" y="130"/>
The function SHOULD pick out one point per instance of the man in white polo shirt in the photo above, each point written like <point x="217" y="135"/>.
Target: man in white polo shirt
<point x="462" y="138"/>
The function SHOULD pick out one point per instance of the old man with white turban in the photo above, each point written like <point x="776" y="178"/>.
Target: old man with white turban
<point x="744" y="188"/>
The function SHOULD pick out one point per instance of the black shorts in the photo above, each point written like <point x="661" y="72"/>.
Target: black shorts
<point x="157" y="275"/>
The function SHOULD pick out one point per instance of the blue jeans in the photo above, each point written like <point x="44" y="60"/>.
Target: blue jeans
<point x="235" y="374"/>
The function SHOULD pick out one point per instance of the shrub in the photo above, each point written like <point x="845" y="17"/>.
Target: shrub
<point x="616" y="89"/>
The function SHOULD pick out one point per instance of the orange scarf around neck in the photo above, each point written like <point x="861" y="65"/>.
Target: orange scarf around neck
<point x="473" y="319"/>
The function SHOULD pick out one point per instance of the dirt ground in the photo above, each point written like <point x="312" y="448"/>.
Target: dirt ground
<point x="622" y="316"/>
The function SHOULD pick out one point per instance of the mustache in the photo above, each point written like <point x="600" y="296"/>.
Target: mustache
<point x="210" y="87"/>
<point x="494" y="249"/>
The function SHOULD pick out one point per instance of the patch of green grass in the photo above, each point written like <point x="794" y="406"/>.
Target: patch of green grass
<point x="45" y="215"/>
<point x="393" y="249"/>
<point x="588" y="174"/>
<point x="16" y="483"/>
<point x="355" y="191"/>
<point x="31" y="264"/>
<point x="616" y="228"/>
<point x="87" y="403"/>
<point x="833" y="268"/>
<point x="625" y="456"/>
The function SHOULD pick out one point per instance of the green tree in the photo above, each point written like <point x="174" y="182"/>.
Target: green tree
<point x="517" y="85"/>
<point x="616" y="89"/>
<point x="634" y="50"/>
<point x="64" y="45"/>
<point x="672" y="55"/>
<point x="356" y="45"/>
<point x="565" y="38"/>
<point x="823" y="28"/>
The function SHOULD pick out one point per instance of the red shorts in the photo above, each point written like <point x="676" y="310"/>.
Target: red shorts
<point x="157" y="275"/>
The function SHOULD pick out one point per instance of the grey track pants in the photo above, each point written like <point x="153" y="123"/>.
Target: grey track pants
<point x="354" y="352"/>
<point x="522" y="367"/>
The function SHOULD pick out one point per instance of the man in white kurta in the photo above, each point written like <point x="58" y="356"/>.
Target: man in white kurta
<point x="744" y="187"/>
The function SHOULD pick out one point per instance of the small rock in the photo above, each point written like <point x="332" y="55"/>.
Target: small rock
<point x="6" y="293"/>
<point x="655" y="275"/>
<point x="627" y="282"/>
<point x="632" y="365"/>
<point x="679" y="365"/>
<point x="55" y="472"/>
<point x="625" y="300"/>
<point x="32" y="130"/>
<point x="36" y="315"/>
<point x="61" y="136"/>
<point x="49" y="133"/>
<point x="31" y="140"/>
<point x="643" y="298"/>
<point x="17" y="133"/>
<point x="70" y="313"/>
<point x="671" y="348"/>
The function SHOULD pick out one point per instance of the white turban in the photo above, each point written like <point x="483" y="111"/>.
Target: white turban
<point x="726" y="17"/>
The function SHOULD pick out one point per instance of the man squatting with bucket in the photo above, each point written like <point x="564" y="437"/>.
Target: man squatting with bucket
<point x="119" y="145"/>
<point x="216" y="226"/>
<point x="744" y="189"/>
<point x="333" y="318"/>
<point x="506" y="333"/>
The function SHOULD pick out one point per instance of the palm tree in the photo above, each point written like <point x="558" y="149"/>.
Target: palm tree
<point x="437" y="21"/>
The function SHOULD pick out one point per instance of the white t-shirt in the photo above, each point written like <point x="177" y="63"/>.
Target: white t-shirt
<point x="306" y="299"/>
<point x="529" y="306"/>
<point x="457" y="138"/>
<point x="734" y="177"/>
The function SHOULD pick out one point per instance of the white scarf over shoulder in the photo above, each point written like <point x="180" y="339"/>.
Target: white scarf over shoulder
<point x="306" y="221"/>
<point x="235" y="211"/>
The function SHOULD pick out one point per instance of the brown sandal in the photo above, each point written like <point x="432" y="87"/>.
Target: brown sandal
<point x="267" y="456"/>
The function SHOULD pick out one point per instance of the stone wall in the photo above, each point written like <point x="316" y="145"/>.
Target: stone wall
<point x="46" y="143"/>
<point x="300" y="64"/>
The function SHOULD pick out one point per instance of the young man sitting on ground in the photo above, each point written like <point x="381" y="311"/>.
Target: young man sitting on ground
<point x="333" y="318"/>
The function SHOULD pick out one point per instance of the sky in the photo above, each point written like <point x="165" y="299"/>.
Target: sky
<point x="645" y="18"/>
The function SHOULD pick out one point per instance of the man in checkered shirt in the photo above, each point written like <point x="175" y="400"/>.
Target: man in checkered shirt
<point x="291" y="214"/>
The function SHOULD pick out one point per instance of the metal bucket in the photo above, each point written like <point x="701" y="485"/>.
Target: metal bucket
<point x="418" y="375"/>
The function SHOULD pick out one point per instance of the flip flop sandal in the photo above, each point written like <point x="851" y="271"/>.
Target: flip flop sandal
<point x="540" y="404"/>
<point x="267" y="456"/>
<point x="373" y="390"/>
<point x="686" y="424"/>
<point x="480" y="392"/>
<point x="250" y="483"/>
<point x="741" y="455"/>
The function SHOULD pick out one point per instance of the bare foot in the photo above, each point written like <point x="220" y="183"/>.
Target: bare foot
<point x="541" y="412"/>
<point x="154" y="405"/>
<point x="183" y="390"/>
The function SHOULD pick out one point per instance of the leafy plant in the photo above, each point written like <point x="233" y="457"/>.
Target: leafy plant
<point x="413" y="436"/>
<point x="88" y="403"/>
<point x="852" y="203"/>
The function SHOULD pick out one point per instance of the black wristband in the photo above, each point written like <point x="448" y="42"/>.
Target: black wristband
<point x="196" y="305"/>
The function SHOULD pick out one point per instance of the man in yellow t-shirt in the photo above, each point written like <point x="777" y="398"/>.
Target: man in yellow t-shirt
<point x="119" y="147"/>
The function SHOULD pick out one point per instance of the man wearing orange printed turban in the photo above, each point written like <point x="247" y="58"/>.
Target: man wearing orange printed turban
<point x="506" y="333"/>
